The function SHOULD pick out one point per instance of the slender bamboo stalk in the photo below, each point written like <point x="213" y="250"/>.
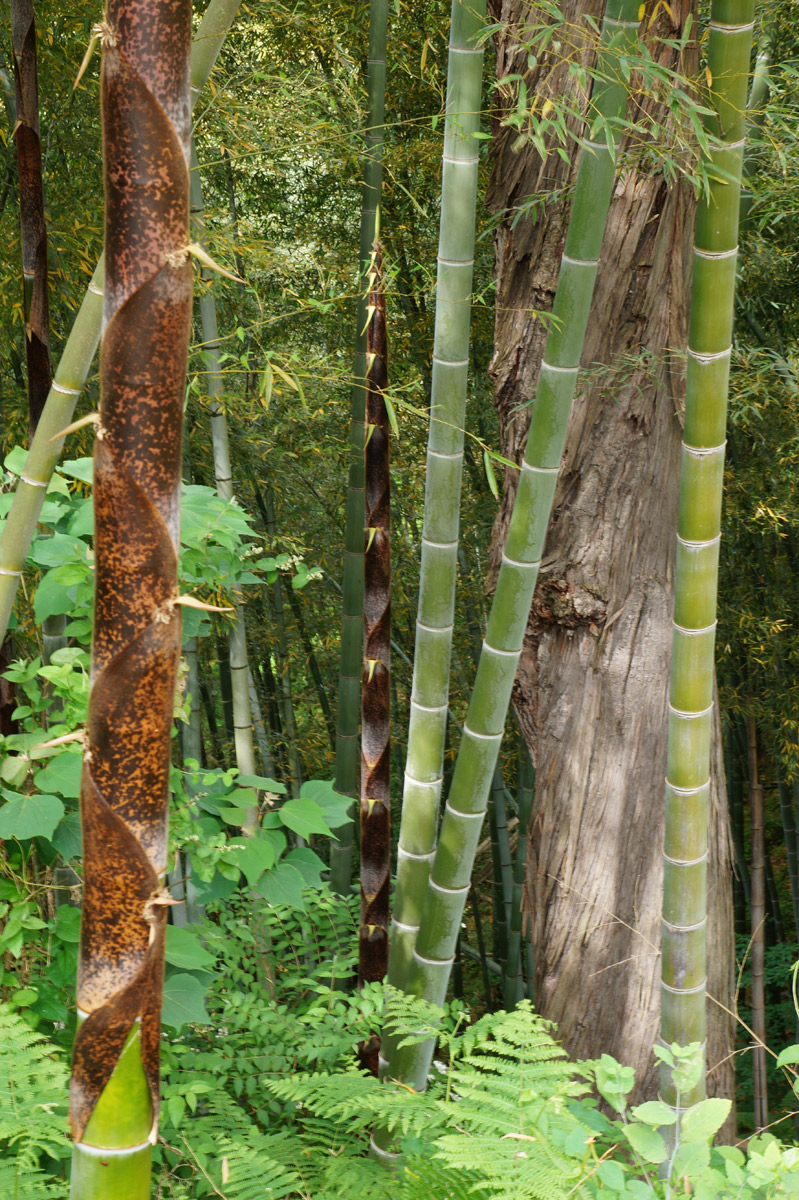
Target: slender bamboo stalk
<point x="223" y="473"/>
<point x="285" y="697"/>
<point x="70" y="376"/>
<point x="436" y="605"/>
<point x="376" y="679"/>
<point x="31" y="207"/>
<point x="502" y="883"/>
<point x="313" y="665"/>
<point x="513" y="980"/>
<point x="114" y="1097"/>
<point x="260" y="730"/>
<point x="683" y="958"/>
<point x="758" y="929"/>
<point x="448" y="884"/>
<point x="349" y="687"/>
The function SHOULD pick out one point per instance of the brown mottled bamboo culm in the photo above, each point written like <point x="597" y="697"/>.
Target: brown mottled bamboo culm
<point x="31" y="207"/>
<point x="136" y="643"/>
<point x="376" y="680"/>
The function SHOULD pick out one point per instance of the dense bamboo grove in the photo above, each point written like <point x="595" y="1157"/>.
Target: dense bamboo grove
<point x="262" y="961"/>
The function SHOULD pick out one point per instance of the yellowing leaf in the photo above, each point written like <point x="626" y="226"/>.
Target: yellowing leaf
<point x="708" y="77"/>
<point x="547" y="109"/>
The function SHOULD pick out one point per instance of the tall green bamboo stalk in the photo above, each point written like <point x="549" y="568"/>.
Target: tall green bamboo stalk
<point x="31" y="207"/>
<point x="223" y="474"/>
<point x="349" y="687"/>
<point x="376" y="677"/>
<point x="114" y="1093"/>
<point x="436" y="606"/>
<point x="683" y="958"/>
<point x="70" y="376"/>
<point x="448" y="884"/>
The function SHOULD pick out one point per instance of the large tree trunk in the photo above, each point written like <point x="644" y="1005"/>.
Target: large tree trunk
<point x="591" y="691"/>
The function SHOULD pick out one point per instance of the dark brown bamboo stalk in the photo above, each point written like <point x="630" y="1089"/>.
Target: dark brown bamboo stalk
<point x="376" y="679"/>
<point x="758" y="876"/>
<point x="136" y="642"/>
<point x="31" y="207"/>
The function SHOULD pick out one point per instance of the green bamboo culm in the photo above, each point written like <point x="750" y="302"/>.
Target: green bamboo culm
<point x="690" y="728"/>
<point x="448" y="885"/>
<point x="73" y="369"/>
<point x="351" y="661"/>
<point x="223" y="474"/>
<point x="436" y="607"/>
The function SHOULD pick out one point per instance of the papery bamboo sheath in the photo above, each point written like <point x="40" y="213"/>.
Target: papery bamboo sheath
<point x="70" y="376"/>
<point x="436" y="606"/>
<point x="483" y="729"/>
<point x="375" y="808"/>
<point x="136" y="632"/>
<point x="349" y="687"/>
<point x="683" y="958"/>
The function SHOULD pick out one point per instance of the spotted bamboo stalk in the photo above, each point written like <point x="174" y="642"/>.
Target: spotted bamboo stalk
<point x="349" y="686"/>
<point x="223" y="474"/>
<point x="70" y="377"/>
<point x="436" y="606"/>
<point x="683" y="959"/>
<point x="376" y="677"/>
<point x="31" y="207"/>
<point x="114" y="1093"/>
<point x="448" y="884"/>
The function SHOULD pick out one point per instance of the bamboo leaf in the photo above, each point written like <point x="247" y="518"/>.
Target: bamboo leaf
<point x="392" y="416"/>
<point x="490" y="476"/>
<point x="267" y="383"/>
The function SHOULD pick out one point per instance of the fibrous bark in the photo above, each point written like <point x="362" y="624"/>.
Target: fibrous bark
<point x="591" y="690"/>
<point x="136" y="640"/>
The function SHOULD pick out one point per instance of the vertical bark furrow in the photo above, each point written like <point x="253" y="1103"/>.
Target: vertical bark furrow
<point x="376" y="680"/>
<point x="136" y="643"/>
<point x="31" y="204"/>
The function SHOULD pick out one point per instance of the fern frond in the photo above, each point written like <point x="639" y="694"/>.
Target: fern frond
<point x="28" y="1183"/>
<point x="33" y="1089"/>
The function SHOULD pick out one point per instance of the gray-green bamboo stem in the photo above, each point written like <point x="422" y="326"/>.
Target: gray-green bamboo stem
<point x="448" y="884"/>
<point x="73" y="369"/>
<point x="215" y="388"/>
<point x="690" y="721"/>
<point x="436" y="605"/>
<point x="347" y="774"/>
<point x="513" y="976"/>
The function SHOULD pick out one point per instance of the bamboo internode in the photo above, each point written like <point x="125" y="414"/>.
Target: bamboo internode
<point x="690" y="726"/>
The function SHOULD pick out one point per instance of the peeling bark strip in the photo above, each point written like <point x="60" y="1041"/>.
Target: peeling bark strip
<point x="375" y="686"/>
<point x="145" y="98"/>
<point x="31" y="206"/>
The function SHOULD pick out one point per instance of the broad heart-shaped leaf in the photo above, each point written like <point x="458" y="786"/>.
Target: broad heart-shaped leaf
<point x="67" y="837"/>
<point x="53" y="595"/>
<point x="57" y="548"/>
<point x="25" y="817"/>
<point x="611" y="1175"/>
<point x="691" y="1158"/>
<point x="304" y="817"/>
<point x="253" y="856"/>
<point x="79" y="468"/>
<point x="646" y="1142"/>
<point x="335" y="807"/>
<point x="184" y="1001"/>
<point x="702" y="1120"/>
<point x="654" y="1112"/>
<point x="67" y="923"/>
<point x="283" y="886"/>
<point x="61" y="775"/>
<point x="185" y="949"/>
<point x="789" y="1055"/>
<point x="309" y="865"/>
